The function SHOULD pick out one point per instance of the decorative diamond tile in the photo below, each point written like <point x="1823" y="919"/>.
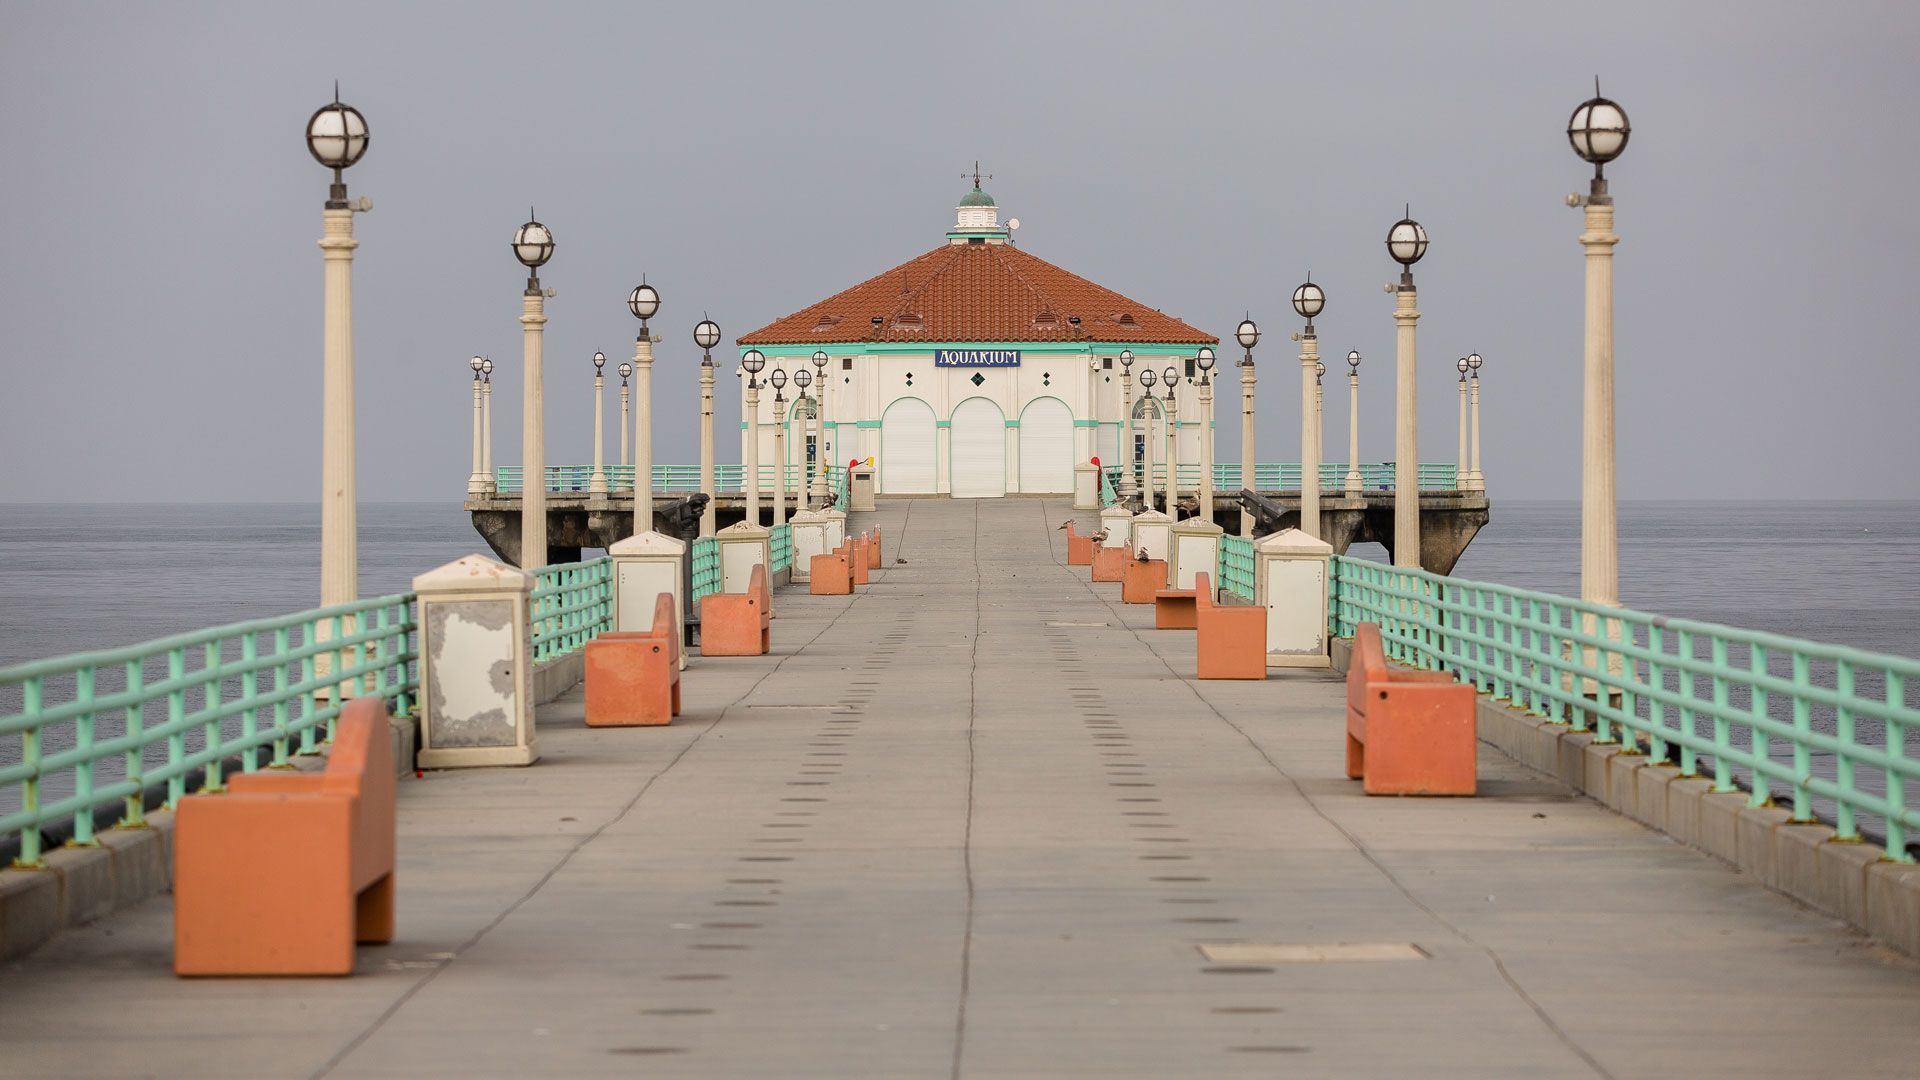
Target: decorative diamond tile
<point x="978" y="379"/>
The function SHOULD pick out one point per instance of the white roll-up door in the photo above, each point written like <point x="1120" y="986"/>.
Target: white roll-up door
<point x="906" y="448"/>
<point x="1046" y="447"/>
<point x="979" y="450"/>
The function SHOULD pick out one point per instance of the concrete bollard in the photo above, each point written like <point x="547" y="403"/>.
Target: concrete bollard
<point x="1194" y="548"/>
<point x="1079" y="548"/>
<point x="743" y="546"/>
<point x="1117" y="522"/>
<point x="1290" y="578"/>
<point x="476" y="665"/>
<point x="809" y="539"/>
<point x="1150" y="531"/>
<point x="1086" y="486"/>
<point x="1110" y="562"/>
<point x="857" y="559"/>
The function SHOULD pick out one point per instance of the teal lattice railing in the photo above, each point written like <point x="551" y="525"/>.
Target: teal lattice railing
<point x="1236" y="567"/>
<point x="1833" y="729"/>
<point x="782" y="544"/>
<point x="1285" y="476"/>
<point x="706" y="568"/>
<point x="572" y="605"/>
<point x="578" y="479"/>
<point x="80" y="734"/>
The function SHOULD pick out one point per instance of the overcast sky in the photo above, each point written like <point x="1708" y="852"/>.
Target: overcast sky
<point x="162" y="287"/>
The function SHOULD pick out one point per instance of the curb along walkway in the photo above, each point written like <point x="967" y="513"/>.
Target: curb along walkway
<point x="977" y="820"/>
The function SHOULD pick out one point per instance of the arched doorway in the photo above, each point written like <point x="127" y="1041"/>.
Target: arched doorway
<point x="906" y="448"/>
<point x="979" y="450"/>
<point x="1046" y="447"/>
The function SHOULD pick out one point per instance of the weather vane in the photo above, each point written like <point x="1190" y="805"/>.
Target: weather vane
<point x="976" y="175"/>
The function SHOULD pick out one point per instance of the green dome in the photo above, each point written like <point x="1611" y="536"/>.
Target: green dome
<point x="976" y="197"/>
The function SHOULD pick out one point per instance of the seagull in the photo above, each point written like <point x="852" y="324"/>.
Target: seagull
<point x="1065" y="525"/>
<point x="1099" y="537"/>
<point x="1142" y="557"/>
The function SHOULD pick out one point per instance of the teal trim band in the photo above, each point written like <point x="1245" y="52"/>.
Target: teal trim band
<point x="1086" y="423"/>
<point x="866" y="423"/>
<point x="942" y="423"/>
<point x="925" y="348"/>
<point x="1013" y="423"/>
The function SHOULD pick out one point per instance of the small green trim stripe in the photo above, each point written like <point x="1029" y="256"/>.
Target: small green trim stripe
<point x="1013" y="423"/>
<point x="1086" y="423"/>
<point x="866" y="423"/>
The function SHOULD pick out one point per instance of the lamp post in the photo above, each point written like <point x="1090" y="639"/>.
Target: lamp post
<point x="533" y="246"/>
<point x="486" y="421"/>
<point x="803" y="491"/>
<point x="1170" y="378"/>
<point x="1406" y="242"/>
<point x="753" y="361"/>
<point x="1308" y="300"/>
<point x="1248" y="335"/>
<point x="1204" y="360"/>
<point x="643" y="302"/>
<point x="779" y="380"/>
<point x="626" y="441"/>
<point x="823" y="491"/>
<point x="706" y="335"/>
<point x="1147" y="379"/>
<point x="597" y="483"/>
<point x="1598" y="131"/>
<point x="477" y="481"/>
<point x="1460" y="468"/>
<point x="1353" y="423"/>
<point x="1475" y="481"/>
<point x="337" y="138"/>
<point x="1123" y="453"/>
<point x="1319" y="422"/>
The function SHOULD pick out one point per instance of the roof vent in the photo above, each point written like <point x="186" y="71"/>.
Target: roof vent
<point x="1048" y="319"/>
<point x="827" y="322"/>
<point x="907" y="322"/>
<point x="1125" y="318"/>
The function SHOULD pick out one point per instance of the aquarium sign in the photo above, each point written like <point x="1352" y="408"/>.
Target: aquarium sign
<point x="976" y="358"/>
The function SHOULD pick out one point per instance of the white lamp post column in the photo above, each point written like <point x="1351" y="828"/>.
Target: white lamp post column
<point x="753" y="361"/>
<point x="822" y="455"/>
<point x="707" y="335"/>
<point x="1406" y="242"/>
<point x="1460" y="473"/>
<point x="779" y="380"/>
<point x="486" y="422"/>
<point x="1309" y="300"/>
<point x="597" y="483"/>
<point x="1475" y="481"/>
<point x="626" y="413"/>
<point x="533" y="246"/>
<point x="643" y="302"/>
<point x="1319" y="424"/>
<point x="1248" y="335"/>
<point x="1171" y="432"/>
<point x="1598" y="131"/>
<point x="1123" y="453"/>
<point x="477" y="480"/>
<point x="337" y="138"/>
<point x="1353" y="424"/>
<point x="1147" y="379"/>
<point x="1204" y="359"/>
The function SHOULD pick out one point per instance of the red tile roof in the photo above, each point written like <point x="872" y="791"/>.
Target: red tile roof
<point x="977" y="292"/>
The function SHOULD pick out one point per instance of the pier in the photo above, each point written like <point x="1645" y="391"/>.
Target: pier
<point x="979" y="819"/>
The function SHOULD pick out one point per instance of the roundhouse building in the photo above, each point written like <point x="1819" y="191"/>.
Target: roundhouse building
<point x="976" y="370"/>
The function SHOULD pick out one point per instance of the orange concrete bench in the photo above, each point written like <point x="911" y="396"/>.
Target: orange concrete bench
<point x="1408" y="732"/>
<point x="1142" y="579"/>
<point x="1175" y="609"/>
<point x="873" y="552"/>
<point x="1079" y="548"/>
<point x="285" y="871"/>
<point x="1229" y="642"/>
<point x="736" y="624"/>
<point x="1110" y="563"/>
<point x="633" y="676"/>
<point x="855" y="549"/>
<point x="829" y="575"/>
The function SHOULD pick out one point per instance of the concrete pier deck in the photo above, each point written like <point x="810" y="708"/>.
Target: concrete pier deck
<point x="978" y="820"/>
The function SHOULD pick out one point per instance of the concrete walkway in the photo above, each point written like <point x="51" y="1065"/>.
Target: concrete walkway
<point x="978" y="820"/>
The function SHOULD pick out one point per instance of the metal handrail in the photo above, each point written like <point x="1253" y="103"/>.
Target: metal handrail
<point x="1762" y="709"/>
<point x="706" y="568"/>
<point x="74" y="756"/>
<point x="1236" y="567"/>
<point x="572" y="603"/>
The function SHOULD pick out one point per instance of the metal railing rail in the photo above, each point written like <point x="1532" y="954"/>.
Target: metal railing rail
<point x="1285" y="476"/>
<point x="1236" y="567"/>
<point x="81" y="735"/>
<point x="706" y="568"/>
<point x="578" y="479"/>
<point x="572" y="604"/>
<point x="782" y="548"/>
<point x="1835" y="729"/>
